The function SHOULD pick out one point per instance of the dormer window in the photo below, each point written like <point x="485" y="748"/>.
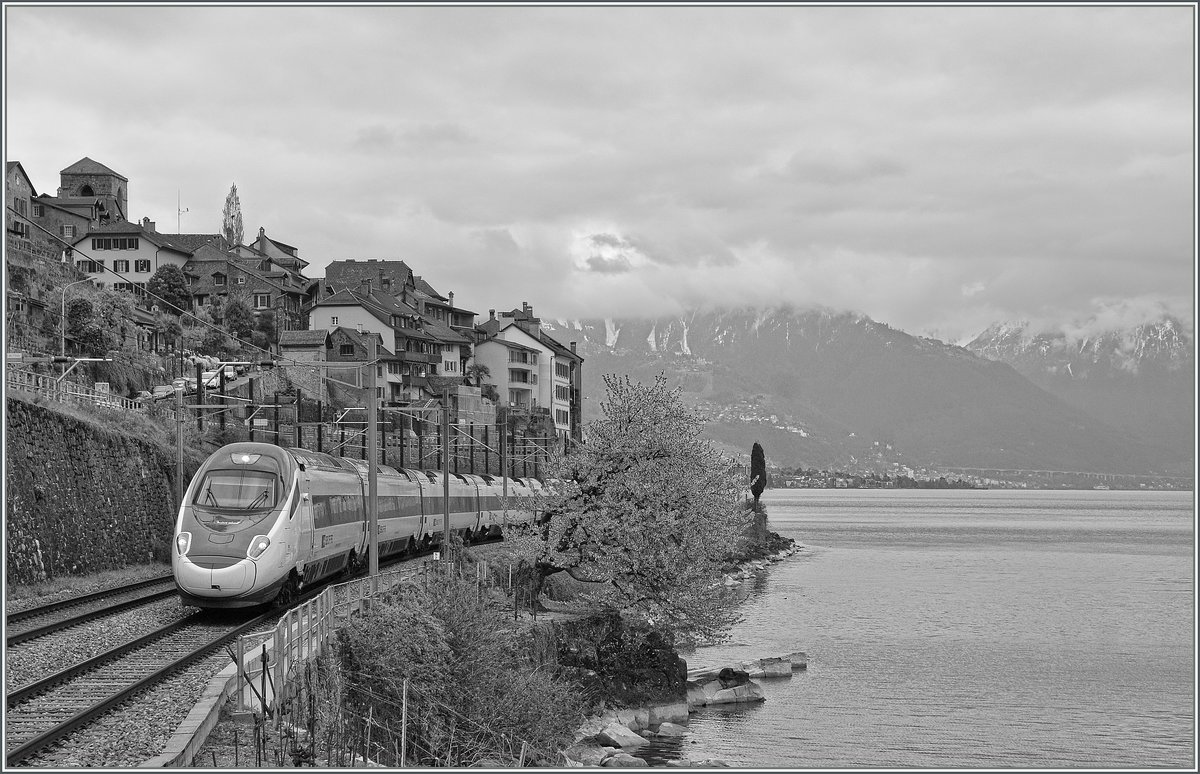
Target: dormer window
<point x="218" y="279"/>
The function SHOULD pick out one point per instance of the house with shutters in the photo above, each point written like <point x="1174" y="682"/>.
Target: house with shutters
<point x="124" y="256"/>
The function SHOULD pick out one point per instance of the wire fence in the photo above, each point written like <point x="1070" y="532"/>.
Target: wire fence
<point x="298" y="708"/>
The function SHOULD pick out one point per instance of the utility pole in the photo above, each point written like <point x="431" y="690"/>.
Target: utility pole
<point x="446" y="471"/>
<point x="179" y="441"/>
<point x="372" y="404"/>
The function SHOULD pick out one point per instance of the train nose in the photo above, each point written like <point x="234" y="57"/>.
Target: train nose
<point x="215" y="576"/>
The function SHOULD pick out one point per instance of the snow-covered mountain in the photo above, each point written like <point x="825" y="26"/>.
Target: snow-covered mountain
<point x="1140" y="379"/>
<point x="822" y="387"/>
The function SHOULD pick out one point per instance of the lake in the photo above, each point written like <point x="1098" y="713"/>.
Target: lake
<point x="968" y="629"/>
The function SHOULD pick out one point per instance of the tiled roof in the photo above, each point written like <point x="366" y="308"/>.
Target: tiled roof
<point x="193" y="242"/>
<point x="155" y="238"/>
<point x="514" y="345"/>
<point x="444" y="332"/>
<point x="68" y="201"/>
<point x="425" y="287"/>
<point x="303" y="338"/>
<point x="86" y="166"/>
<point x="558" y="348"/>
<point x="362" y="339"/>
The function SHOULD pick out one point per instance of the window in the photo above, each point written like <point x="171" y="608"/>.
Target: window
<point x="450" y="366"/>
<point x="67" y="230"/>
<point x="262" y="300"/>
<point x="200" y="299"/>
<point x="562" y="417"/>
<point x="218" y="279"/>
<point x="562" y="393"/>
<point x="346" y="350"/>
<point x="561" y="371"/>
<point x="39" y="210"/>
<point x="122" y="286"/>
<point x="142" y="264"/>
<point x="19" y="204"/>
<point x="121" y="266"/>
<point x="241" y="280"/>
<point x="333" y="320"/>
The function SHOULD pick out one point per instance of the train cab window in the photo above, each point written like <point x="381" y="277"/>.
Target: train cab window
<point x="431" y="476"/>
<point x="246" y="490"/>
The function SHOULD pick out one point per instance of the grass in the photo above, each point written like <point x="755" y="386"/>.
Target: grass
<point x="23" y="596"/>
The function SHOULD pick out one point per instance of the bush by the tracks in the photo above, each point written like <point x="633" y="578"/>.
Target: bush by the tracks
<point x="473" y="693"/>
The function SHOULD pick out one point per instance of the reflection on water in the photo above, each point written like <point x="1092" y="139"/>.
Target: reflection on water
<point x="967" y="629"/>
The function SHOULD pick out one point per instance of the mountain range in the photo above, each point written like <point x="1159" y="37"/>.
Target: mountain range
<point x="824" y="388"/>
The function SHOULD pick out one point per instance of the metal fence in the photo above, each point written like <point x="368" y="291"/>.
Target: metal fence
<point x="67" y="391"/>
<point x="278" y="688"/>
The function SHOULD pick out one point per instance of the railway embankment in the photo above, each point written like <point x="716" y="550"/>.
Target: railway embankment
<point x="84" y="494"/>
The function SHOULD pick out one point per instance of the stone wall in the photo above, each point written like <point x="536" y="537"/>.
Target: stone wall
<point x="82" y="498"/>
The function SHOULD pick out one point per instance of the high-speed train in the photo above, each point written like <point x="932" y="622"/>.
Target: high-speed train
<point x="260" y="522"/>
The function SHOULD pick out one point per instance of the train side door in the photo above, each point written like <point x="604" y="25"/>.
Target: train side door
<point x="304" y="530"/>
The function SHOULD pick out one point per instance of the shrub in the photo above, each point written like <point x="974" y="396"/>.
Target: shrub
<point x="472" y="694"/>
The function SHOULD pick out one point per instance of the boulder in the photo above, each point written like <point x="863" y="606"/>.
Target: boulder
<point x="702" y="694"/>
<point x="751" y="668"/>
<point x="799" y="660"/>
<point x="668" y="713"/>
<point x="747" y="692"/>
<point x="670" y="729"/>
<point x="620" y="736"/>
<point x="589" y="755"/>
<point x="624" y="760"/>
<point x="776" y="667"/>
<point x="730" y="677"/>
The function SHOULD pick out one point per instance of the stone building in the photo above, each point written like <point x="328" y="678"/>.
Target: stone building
<point x="92" y="181"/>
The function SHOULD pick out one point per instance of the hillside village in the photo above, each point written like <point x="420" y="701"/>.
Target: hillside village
<point x="129" y="309"/>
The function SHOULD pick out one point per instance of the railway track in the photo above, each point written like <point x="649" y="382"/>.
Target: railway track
<point x="41" y="621"/>
<point x="43" y="713"/>
<point x="55" y="709"/>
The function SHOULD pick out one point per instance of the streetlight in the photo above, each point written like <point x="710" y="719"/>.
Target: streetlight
<point x="62" y="320"/>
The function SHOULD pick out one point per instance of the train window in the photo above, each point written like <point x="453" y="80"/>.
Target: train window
<point x="244" y="490"/>
<point x="461" y="478"/>
<point x="487" y="478"/>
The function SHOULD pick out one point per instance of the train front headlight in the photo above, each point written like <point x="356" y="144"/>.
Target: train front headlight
<point x="257" y="546"/>
<point x="183" y="542"/>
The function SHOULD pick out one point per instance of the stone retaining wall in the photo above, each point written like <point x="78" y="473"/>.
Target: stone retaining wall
<point x="80" y="498"/>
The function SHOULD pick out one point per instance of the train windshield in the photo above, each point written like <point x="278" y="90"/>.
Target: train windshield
<point x="238" y="490"/>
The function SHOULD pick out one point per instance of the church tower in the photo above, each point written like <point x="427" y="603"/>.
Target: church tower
<point x="87" y="179"/>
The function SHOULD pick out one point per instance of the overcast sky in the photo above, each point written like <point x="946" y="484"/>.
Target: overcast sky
<point x="937" y="169"/>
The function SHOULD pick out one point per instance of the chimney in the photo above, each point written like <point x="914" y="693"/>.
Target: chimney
<point x="450" y="295"/>
<point x="572" y="347"/>
<point x="525" y="307"/>
<point x="491" y="314"/>
<point x="359" y="326"/>
<point x="148" y="224"/>
<point x="366" y="286"/>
